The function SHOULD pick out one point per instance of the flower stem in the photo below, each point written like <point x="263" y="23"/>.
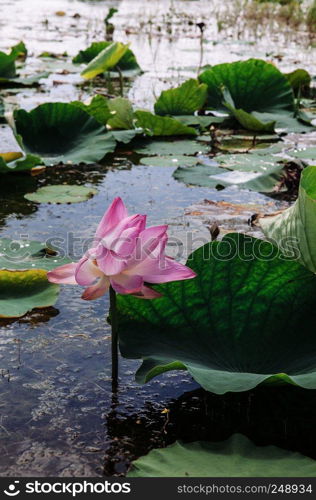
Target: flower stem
<point x="114" y="339"/>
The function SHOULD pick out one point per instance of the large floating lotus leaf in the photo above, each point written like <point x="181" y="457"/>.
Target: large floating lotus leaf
<point x="202" y="121"/>
<point x="285" y="121"/>
<point x="127" y="62"/>
<point x="22" y="291"/>
<point x="294" y="230"/>
<point x="198" y="175"/>
<point x="61" y="132"/>
<point x="232" y="327"/>
<point x="183" y="100"/>
<point x="122" y="114"/>
<point x="254" y="162"/>
<point x="235" y="457"/>
<point x="155" y="125"/>
<point x="169" y="161"/>
<point x="26" y="254"/>
<point x="105" y="60"/>
<point x="305" y="154"/>
<point x="15" y="162"/>
<point x="61" y="193"/>
<point x="98" y="108"/>
<point x="247" y="171"/>
<point x="261" y="181"/>
<point x="124" y="136"/>
<point x="181" y="146"/>
<point x="254" y="85"/>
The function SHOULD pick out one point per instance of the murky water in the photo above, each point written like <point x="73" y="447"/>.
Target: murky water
<point x="57" y="414"/>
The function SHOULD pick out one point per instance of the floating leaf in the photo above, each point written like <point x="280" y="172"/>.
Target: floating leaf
<point x="254" y="85"/>
<point x="254" y="162"/>
<point x="232" y="327"/>
<point x="62" y="132"/>
<point x="305" y="154"/>
<point x="155" y="125"/>
<point x="25" y="254"/>
<point x="256" y="172"/>
<point x="294" y="230"/>
<point x="105" y="60"/>
<point x="235" y="457"/>
<point x="61" y="193"/>
<point x="22" y="291"/>
<point x="169" y="161"/>
<point x="183" y="100"/>
<point x="160" y="147"/>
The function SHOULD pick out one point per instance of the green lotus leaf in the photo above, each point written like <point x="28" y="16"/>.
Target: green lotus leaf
<point x="169" y="161"/>
<point x="198" y="175"/>
<point x="21" y="164"/>
<point x="62" y="132"/>
<point x="23" y="81"/>
<point x="260" y="181"/>
<point x="183" y="100"/>
<point x="299" y="80"/>
<point x="294" y="230"/>
<point x="305" y="154"/>
<point x="7" y="65"/>
<point x="105" y="60"/>
<point x="127" y="63"/>
<point x="19" y="51"/>
<point x="286" y="122"/>
<point x="155" y="125"/>
<point x="124" y="136"/>
<point x="202" y="121"/>
<point x="255" y="161"/>
<point x="228" y="326"/>
<point x="26" y="254"/>
<point x="122" y="114"/>
<point x="98" y="108"/>
<point x="22" y="291"/>
<point x="171" y="147"/>
<point x="255" y="171"/>
<point x="61" y="193"/>
<point x="254" y="85"/>
<point x="235" y="457"/>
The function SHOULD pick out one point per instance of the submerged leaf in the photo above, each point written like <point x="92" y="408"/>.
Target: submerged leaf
<point x="235" y="457"/>
<point x="228" y="326"/>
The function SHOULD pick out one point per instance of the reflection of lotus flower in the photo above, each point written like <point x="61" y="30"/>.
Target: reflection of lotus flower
<point x="124" y="255"/>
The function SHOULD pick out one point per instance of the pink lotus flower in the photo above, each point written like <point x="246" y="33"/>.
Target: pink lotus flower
<point x="126" y="255"/>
